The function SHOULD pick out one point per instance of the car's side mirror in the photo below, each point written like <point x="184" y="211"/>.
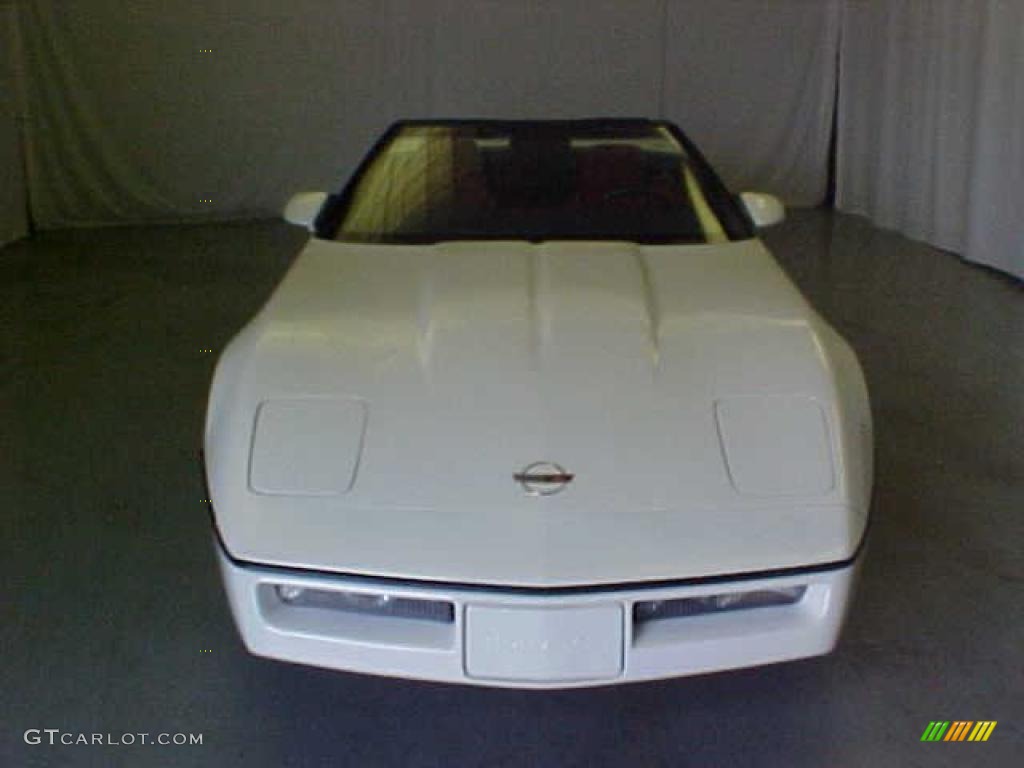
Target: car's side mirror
<point x="764" y="210"/>
<point x="303" y="209"/>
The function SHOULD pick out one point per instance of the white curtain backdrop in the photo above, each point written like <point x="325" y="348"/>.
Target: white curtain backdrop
<point x="13" y="189"/>
<point x="754" y="84"/>
<point x="131" y="119"/>
<point x="931" y="123"/>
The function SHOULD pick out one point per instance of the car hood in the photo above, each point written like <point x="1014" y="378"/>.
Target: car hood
<point x="372" y="417"/>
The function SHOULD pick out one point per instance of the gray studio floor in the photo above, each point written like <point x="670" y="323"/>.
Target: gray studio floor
<point x="114" y="620"/>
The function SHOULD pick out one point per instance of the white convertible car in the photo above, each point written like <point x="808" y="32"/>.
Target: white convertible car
<point x="535" y="407"/>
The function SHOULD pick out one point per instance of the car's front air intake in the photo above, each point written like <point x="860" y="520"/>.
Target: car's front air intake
<point x="367" y="619"/>
<point x="656" y="610"/>
<point x="364" y="603"/>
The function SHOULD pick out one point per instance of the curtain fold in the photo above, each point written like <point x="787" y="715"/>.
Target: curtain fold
<point x="754" y="84"/>
<point x="931" y="123"/>
<point x="14" y="187"/>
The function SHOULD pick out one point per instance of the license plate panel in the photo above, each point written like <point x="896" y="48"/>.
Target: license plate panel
<point x="544" y="644"/>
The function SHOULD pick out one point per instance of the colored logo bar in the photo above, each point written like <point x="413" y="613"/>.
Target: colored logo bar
<point x="958" y="730"/>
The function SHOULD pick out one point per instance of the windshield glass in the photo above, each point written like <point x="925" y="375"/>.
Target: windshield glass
<point x="591" y="180"/>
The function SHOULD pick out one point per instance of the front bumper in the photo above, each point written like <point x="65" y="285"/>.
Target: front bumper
<point x="520" y="638"/>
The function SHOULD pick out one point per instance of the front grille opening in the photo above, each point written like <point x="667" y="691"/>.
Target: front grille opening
<point x="648" y="611"/>
<point x="361" y="603"/>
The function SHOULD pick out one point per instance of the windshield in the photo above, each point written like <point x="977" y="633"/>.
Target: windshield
<point x="591" y="180"/>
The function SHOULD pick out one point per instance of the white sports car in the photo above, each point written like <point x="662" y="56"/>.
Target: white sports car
<point x="535" y="407"/>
